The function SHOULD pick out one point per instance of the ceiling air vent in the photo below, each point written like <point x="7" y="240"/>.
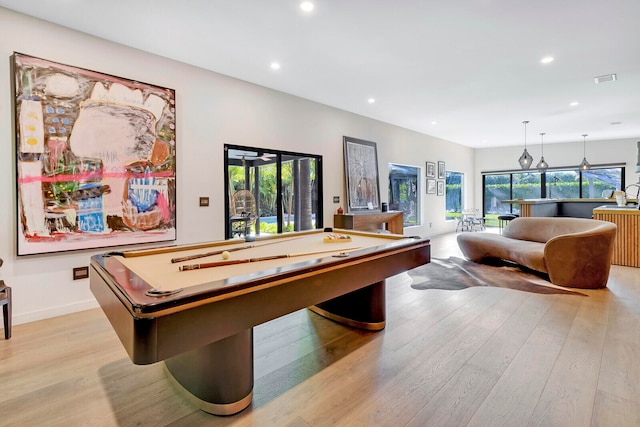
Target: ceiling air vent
<point x="606" y="78"/>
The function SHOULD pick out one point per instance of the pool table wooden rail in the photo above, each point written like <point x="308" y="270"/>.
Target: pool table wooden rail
<point x="133" y="289"/>
<point x="155" y="329"/>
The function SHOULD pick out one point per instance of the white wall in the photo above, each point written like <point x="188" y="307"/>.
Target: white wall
<point x="559" y="155"/>
<point x="211" y="110"/>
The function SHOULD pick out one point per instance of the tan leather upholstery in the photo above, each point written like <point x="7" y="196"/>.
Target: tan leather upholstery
<point x="574" y="252"/>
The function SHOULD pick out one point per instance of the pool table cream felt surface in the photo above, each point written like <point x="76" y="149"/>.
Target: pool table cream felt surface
<point x="159" y="272"/>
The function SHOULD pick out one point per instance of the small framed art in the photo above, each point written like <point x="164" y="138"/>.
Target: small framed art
<point x="431" y="170"/>
<point x="441" y="171"/>
<point x="431" y="186"/>
<point x="440" y="188"/>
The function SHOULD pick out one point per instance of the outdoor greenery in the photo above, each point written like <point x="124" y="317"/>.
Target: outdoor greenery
<point x="272" y="228"/>
<point x="453" y="194"/>
<point x="490" y="220"/>
<point x="267" y="190"/>
<point x="564" y="184"/>
<point x="403" y="192"/>
<point x="267" y="185"/>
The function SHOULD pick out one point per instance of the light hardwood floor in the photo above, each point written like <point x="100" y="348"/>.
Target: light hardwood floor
<point x="476" y="357"/>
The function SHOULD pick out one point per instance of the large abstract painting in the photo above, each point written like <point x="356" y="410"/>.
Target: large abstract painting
<point x="95" y="159"/>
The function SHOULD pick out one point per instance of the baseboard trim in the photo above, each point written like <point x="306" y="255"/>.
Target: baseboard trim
<point x="33" y="316"/>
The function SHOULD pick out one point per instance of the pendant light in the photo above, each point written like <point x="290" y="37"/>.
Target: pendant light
<point x="542" y="164"/>
<point x="585" y="164"/>
<point x="525" y="160"/>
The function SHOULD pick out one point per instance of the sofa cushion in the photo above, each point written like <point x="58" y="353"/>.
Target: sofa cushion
<point x="543" y="229"/>
<point x="479" y="246"/>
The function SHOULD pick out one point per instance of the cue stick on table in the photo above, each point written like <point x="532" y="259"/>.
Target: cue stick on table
<point x="218" y="252"/>
<point x="206" y="254"/>
<point x="247" y="260"/>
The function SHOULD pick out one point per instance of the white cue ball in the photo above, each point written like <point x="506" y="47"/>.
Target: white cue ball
<point x="225" y="255"/>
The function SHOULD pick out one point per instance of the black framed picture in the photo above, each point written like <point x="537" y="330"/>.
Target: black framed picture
<point x="440" y="188"/>
<point x="431" y="186"/>
<point x="431" y="170"/>
<point x="441" y="171"/>
<point x="361" y="173"/>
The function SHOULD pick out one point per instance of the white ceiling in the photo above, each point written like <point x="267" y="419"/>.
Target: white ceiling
<point x="472" y="66"/>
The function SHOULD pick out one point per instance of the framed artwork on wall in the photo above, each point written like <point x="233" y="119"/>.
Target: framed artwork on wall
<point x="95" y="158"/>
<point x="431" y="186"/>
<point x="441" y="171"/>
<point x="361" y="174"/>
<point x="431" y="170"/>
<point x="440" y="188"/>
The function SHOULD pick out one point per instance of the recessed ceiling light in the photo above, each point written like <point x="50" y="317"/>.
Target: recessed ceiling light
<point x="434" y="122"/>
<point x="574" y="103"/>
<point x="616" y="123"/>
<point x="371" y="100"/>
<point x="547" y="59"/>
<point x="307" y="6"/>
<point x="275" y="65"/>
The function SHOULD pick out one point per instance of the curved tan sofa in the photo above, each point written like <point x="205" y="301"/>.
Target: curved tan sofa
<point x="574" y="252"/>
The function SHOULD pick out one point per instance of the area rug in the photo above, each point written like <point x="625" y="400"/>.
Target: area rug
<point x="455" y="273"/>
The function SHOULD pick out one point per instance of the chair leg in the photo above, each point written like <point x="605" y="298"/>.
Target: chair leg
<point x="6" y="313"/>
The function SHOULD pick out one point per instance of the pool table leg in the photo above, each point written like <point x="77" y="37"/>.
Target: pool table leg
<point x="219" y="376"/>
<point x="363" y="308"/>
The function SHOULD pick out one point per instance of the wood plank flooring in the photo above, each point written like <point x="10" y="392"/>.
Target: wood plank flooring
<point x="476" y="357"/>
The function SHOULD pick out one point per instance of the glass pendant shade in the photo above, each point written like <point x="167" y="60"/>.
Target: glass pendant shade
<point x="585" y="164"/>
<point x="525" y="159"/>
<point x="542" y="164"/>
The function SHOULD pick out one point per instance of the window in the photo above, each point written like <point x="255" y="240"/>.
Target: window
<point x="595" y="181"/>
<point x="299" y="191"/>
<point x="497" y="188"/>
<point x="404" y="194"/>
<point x="454" y="190"/>
<point x="526" y="185"/>
<point x="553" y="184"/>
<point x="563" y="184"/>
<point x="285" y="190"/>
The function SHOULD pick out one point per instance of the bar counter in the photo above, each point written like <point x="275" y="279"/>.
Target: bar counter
<point x="625" y="249"/>
<point x="576" y="208"/>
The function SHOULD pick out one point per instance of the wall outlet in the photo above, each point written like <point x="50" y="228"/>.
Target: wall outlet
<point x="336" y="199"/>
<point x="80" y="273"/>
<point x="204" y="201"/>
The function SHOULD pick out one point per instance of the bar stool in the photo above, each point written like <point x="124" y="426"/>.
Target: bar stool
<point x="503" y="220"/>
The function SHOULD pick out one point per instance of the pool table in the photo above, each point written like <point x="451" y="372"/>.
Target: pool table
<point x="197" y="315"/>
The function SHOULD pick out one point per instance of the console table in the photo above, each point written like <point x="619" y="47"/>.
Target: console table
<point x="390" y="221"/>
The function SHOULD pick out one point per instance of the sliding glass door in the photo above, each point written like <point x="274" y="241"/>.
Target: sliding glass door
<point x="285" y="188"/>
